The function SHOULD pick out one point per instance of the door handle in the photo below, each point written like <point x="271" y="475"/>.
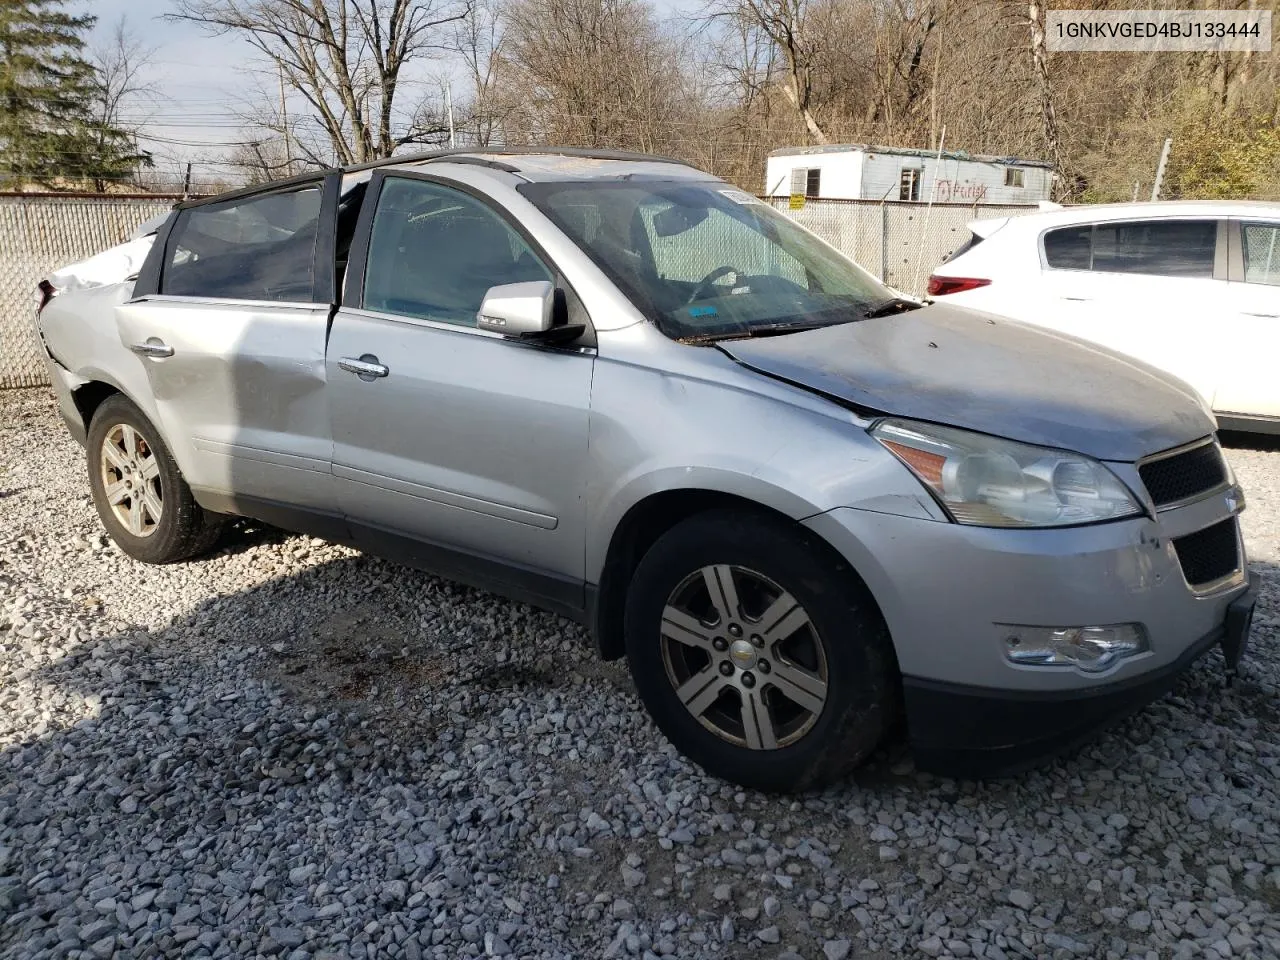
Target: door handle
<point x="366" y="367"/>
<point x="152" y="347"/>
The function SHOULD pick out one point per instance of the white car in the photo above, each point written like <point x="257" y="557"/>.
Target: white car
<point x="1191" y="287"/>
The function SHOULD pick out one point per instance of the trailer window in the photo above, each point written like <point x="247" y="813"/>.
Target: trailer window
<point x="1012" y="177"/>
<point x="806" y="181"/>
<point x="909" y="184"/>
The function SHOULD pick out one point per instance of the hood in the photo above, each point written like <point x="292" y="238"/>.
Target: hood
<point x="965" y="369"/>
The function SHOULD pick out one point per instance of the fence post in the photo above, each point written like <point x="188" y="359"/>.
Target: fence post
<point x="884" y="242"/>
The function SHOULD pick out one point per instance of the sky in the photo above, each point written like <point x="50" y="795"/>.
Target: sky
<point x="205" y="85"/>
<point x="201" y="84"/>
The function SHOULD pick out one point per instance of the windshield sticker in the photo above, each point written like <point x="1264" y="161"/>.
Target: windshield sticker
<point x="702" y="311"/>
<point x="738" y="196"/>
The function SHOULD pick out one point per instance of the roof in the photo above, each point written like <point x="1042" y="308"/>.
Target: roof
<point x="556" y="163"/>
<point x="530" y="163"/>
<point x="909" y="152"/>
<point x="1086" y="212"/>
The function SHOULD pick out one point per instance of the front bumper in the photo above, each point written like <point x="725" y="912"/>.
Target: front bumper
<point x="971" y="732"/>
<point x="945" y="590"/>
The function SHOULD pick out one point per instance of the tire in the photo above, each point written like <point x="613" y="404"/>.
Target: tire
<point x="831" y="652"/>
<point x="154" y="518"/>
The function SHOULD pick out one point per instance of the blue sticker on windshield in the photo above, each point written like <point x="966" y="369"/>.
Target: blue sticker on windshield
<point x="702" y="311"/>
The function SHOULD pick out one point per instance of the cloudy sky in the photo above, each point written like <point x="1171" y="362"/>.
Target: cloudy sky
<point x="205" y="85"/>
<point x="201" y="82"/>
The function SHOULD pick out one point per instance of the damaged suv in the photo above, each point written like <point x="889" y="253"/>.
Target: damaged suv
<point x="621" y="389"/>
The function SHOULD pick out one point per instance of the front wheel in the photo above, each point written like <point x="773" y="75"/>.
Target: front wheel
<point x="143" y="502"/>
<point x="758" y="652"/>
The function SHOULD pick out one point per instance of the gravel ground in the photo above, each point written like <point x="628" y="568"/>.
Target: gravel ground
<point x="290" y="749"/>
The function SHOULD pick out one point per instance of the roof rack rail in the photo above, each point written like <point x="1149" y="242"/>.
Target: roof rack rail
<point x="479" y="152"/>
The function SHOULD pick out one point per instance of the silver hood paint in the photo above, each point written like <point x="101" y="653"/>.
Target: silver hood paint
<point x="954" y="366"/>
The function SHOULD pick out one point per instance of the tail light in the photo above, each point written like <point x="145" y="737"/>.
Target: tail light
<point x="45" y="292"/>
<point x="941" y="286"/>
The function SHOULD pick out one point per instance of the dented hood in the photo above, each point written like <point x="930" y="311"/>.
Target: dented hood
<point x="953" y="366"/>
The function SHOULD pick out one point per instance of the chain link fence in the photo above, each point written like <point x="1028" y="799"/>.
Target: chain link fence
<point x="898" y="242"/>
<point x="39" y="234"/>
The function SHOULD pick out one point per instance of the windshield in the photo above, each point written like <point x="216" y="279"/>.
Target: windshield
<point x="705" y="260"/>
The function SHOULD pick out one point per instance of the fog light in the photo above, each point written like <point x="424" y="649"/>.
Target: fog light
<point x="1091" y="649"/>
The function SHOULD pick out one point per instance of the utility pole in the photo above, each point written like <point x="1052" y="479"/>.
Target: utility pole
<point x="448" y="105"/>
<point x="284" y="122"/>
<point x="186" y="182"/>
<point x="1164" y="160"/>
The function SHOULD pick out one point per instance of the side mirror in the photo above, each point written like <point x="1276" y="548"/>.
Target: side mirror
<point x="518" y="309"/>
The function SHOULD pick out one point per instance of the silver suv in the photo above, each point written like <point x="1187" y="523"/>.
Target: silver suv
<point x="616" y="387"/>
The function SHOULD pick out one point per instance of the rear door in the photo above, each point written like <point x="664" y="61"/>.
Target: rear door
<point x="1252" y="384"/>
<point x="231" y="337"/>
<point x="1151" y="289"/>
<point x="465" y="450"/>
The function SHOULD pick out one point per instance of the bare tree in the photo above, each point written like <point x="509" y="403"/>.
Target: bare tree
<point x="478" y="38"/>
<point x="262" y="160"/>
<point x="1048" y="114"/>
<point x="787" y="24"/>
<point x="119" y="87"/>
<point x="591" y="72"/>
<point x="121" y="62"/>
<point x="346" y="58"/>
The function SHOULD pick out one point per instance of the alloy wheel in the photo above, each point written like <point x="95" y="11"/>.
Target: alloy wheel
<point x="744" y="657"/>
<point x="131" y="480"/>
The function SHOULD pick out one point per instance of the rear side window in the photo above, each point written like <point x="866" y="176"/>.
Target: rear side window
<point x="1165" y="248"/>
<point x="1261" y="252"/>
<point x="257" y="248"/>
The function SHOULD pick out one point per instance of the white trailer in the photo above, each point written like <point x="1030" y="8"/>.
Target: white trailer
<point x="859" y="171"/>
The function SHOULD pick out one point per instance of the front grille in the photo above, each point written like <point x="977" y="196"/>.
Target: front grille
<point x="1184" y="475"/>
<point x="1209" y="554"/>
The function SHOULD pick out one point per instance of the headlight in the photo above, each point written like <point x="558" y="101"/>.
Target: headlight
<point x="989" y="482"/>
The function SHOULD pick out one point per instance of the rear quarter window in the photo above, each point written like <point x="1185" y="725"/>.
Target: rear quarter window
<point x="1261" y="252"/>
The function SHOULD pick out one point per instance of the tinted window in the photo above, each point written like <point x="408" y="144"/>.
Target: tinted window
<point x="434" y="252"/>
<point x="1261" y="253"/>
<point x="1166" y="248"/>
<point x="258" y="248"/>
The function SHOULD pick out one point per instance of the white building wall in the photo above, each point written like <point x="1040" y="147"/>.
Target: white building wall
<point x="840" y="179"/>
<point x="877" y="176"/>
<point x="953" y="181"/>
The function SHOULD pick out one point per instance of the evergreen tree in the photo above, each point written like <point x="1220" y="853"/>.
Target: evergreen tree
<point x="49" y="134"/>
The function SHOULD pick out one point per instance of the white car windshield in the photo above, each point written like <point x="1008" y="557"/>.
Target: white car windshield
<point x="705" y="260"/>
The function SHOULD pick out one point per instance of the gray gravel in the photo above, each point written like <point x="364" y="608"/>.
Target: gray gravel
<point x="293" y="750"/>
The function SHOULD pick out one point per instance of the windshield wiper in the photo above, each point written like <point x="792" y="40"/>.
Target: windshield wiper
<point x="893" y="305"/>
<point x="766" y="330"/>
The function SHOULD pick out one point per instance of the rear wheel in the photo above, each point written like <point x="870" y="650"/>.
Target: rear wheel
<point x="758" y="652"/>
<point x="143" y="502"/>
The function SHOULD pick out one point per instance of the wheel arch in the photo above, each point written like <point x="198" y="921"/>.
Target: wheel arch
<point x="648" y="519"/>
<point x="89" y="396"/>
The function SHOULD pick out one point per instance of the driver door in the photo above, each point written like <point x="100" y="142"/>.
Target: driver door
<point x="456" y="448"/>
